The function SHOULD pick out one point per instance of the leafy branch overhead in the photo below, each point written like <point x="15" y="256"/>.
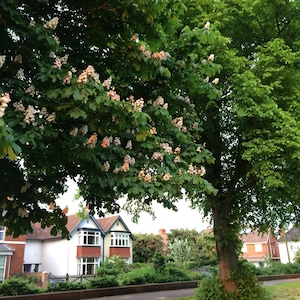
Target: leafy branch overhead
<point x="95" y="106"/>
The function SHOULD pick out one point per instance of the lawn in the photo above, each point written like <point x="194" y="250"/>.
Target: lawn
<point x="284" y="291"/>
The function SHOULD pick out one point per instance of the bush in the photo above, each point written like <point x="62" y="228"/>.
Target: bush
<point x="248" y="287"/>
<point x="17" y="286"/>
<point x="115" y="263"/>
<point x="141" y="276"/>
<point x="65" y="286"/>
<point x="176" y="274"/>
<point x="102" y="282"/>
<point x="104" y="271"/>
<point x="159" y="261"/>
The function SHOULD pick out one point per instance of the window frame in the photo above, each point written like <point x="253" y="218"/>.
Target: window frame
<point x="88" y="265"/>
<point x="119" y="239"/>
<point x="89" y="237"/>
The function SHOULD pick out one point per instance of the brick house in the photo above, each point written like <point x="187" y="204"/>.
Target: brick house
<point x="258" y="247"/>
<point x="11" y="254"/>
<point x="91" y="242"/>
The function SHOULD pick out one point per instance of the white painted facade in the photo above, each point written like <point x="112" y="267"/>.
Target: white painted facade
<point x="75" y="256"/>
<point x="288" y="250"/>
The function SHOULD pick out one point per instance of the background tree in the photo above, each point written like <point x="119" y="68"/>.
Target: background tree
<point x="251" y="129"/>
<point x="145" y="246"/>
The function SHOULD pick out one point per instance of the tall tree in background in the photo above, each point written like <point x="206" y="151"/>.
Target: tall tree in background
<point x="253" y="128"/>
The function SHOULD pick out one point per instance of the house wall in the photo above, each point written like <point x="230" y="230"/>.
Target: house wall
<point x="33" y="252"/>
<point x="118" y="226"/>
<point x="293" y="247"/>
<point x="15" y="265"/>
<point x="60" y="256"/>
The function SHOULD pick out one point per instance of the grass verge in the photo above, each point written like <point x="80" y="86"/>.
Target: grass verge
<point x="283" y="291"/>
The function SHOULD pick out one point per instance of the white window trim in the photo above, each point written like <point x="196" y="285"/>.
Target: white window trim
<point x="83" y="235"/>
<point x="119" y="239"/>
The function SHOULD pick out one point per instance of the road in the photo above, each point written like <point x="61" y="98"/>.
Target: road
<point x="176" y="293"/>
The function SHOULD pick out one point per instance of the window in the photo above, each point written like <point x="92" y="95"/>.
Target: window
<point x="244" y="248"/>
<point x="27" y="268"/>
<point x="89" y="238"/>
<point x="2" y="231"/>
<point x="88" y="265"/>
<point x="258" y="247"/>
<point x="2" y="266"/>
<point x="119" y="239"/>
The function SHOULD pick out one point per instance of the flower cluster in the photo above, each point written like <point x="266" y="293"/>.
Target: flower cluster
<point x="138" y="104"/>
<point x="4" y="100"/>
<point x="195" y="171"/>
<point x="178" y="122"/>
<point x="30" y="90"/>
<point x="59" y="61"/>
<point x="83" y="130"/>
<point x="2" y="60"/>
<point x="92" y="141"/>
<point x="157" y="156"/>
<point x="18" y="59"/>
<point x="22" y="212"/>
<point x="113" y="95"/>
<point x="88" y="72"/>
<point x="166" y="147"/>
<point x="107" y="83"/>
<point x="106" y="166"/>
<point x="52" y="24"/>
<point x="127" y="162"/>
<point x="207" y="25"/>
<point x="20" y="74"/>
<point x="145" y="176"/>
<point x="29" y="115"/>
<point x="167" y="177"/>
<point x="161" y="55"/>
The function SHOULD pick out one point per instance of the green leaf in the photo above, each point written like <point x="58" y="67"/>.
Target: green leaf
<point x="76" y="113"/>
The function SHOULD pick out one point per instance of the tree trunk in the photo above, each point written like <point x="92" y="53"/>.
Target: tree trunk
<point x="225" y="244"/>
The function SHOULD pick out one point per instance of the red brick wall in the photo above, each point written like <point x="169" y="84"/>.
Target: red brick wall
<point x="123" y="252"/>
<point x="17" y="259"/>
<point x="88" y="251"/>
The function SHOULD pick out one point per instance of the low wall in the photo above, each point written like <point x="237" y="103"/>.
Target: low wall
<point x="125" y="290"/>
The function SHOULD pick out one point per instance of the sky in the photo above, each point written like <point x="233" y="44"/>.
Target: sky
<point x="185" y="217"/>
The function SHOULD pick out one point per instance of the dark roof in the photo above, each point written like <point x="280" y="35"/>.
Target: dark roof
<point x="293" y="235"/>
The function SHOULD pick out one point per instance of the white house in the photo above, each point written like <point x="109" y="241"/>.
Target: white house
<point x="289" y="244"/>
<point x="91" y="242"/>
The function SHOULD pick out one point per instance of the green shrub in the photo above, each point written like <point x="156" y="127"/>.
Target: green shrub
<point x="117" y="264"/>
<point x="104" y="271"/>
<point x="159" y="261"/>
<point x="176" y="274"/>
<point x="17" y="286"/>
<point x="66" y="286"/>
<point x="102" y="282"/>
<point x="248" y="287"/>
<point x="141" y="276"/>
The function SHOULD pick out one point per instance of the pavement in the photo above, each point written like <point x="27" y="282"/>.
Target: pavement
<point x="161" y="295"/>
